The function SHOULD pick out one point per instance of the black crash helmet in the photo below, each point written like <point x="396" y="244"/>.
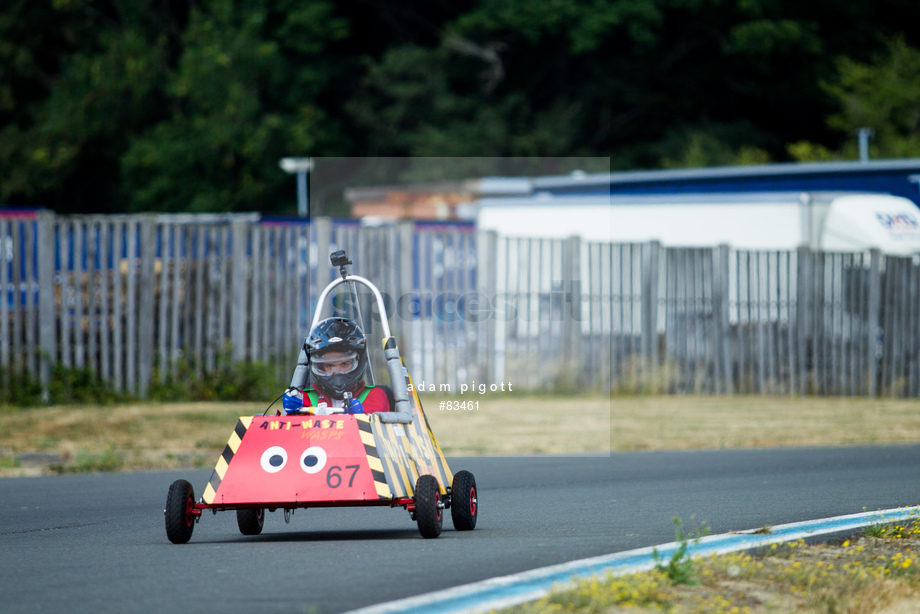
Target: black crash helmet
<point x="337" y="349"/>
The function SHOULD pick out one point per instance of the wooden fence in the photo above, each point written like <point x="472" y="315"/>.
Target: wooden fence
<point x="135" y="298"/>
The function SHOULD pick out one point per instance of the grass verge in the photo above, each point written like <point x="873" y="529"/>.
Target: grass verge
<point x="878" y="571"/>
<point x="190" y="435"/>
<point x="90" y="438"/>
<point x="517" y="424"/>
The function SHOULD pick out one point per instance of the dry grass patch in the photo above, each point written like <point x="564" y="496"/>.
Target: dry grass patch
<point x="506" y="424"/>
<point x="516" y="424"/>
<point x="673" y="422"/>
<point x="137" y="436"/>
<point x="149" y="436"/>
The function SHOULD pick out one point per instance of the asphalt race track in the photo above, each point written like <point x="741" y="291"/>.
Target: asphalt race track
<point x="97" y="543"/>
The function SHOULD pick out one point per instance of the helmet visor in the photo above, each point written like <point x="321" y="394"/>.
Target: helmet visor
<point x="334" y="363"/>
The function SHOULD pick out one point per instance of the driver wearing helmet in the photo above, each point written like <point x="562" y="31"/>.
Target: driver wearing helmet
<point x="336" y="358"/>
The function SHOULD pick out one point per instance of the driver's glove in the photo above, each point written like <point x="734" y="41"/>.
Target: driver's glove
<point x="355" y="407"/>
<point x="292" y="401"/>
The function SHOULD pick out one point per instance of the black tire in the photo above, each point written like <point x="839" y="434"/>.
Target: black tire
<point x="180" y="523"/>
<point x="428" y="506"/>
<point x="464" y="501"/>
<point x="250" y="521"/>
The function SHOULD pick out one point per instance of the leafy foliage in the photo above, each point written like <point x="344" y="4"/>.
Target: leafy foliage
<point x="680" y="568"/>
<point x="171" y="106"/>
<point x="80" y="385"/>
<point x="68" y="386"/>
<point x="19" y="390"/>
<point x="219" y="148"/>
<point x="229" y="381"/>
<point x="883" y="95"/>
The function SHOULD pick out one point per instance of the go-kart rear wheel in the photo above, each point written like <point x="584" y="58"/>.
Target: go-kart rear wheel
<point x="428" y="506"/>
<point x="250" y="521"/>
<point x="464" y="501"/>
<point x="180" y="522"/>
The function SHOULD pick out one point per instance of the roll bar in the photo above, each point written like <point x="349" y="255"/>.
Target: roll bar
<point x="364" y="282"/>
<point x="398" y="374"/>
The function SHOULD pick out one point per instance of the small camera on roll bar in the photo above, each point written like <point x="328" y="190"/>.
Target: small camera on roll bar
<point x="340" y="260"/>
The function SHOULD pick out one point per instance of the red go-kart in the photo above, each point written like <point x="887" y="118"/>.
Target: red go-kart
<point x="287" y="462"/>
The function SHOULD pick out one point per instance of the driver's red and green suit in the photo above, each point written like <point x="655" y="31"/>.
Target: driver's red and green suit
<point x="373" y="399"/>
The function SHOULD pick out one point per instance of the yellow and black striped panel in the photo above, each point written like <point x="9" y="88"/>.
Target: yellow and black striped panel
<point x="233" y="444"/>
<point x="396" y="457"/>
<point x="412" y="468"/>
<point x="426" y="452"/>
<point x="410" y="450"/>
<point x="373" y="457"/>
<point x="429" y="455"/>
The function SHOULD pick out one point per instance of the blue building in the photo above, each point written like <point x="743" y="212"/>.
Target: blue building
<point x="897" y="177"/>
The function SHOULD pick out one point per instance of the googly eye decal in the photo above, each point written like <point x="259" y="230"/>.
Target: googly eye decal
<point x="313" y="459"/>
<point x="274" y="459"/>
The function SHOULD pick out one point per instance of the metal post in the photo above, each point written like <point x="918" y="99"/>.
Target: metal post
<point x="650" y="274"/>
<point x="301" y="167"/>
<point x="46" y="287"/>
<point x="864" y="134"/>
<point x="303" y="196"/>
<point x="875" y="346"/>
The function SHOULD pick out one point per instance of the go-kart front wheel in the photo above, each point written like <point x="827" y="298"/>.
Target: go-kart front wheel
<point x="250" y="521"/>
<point x="428" y="506"/>
<point x="180" y="502"/>
<point x="464" y="501"/>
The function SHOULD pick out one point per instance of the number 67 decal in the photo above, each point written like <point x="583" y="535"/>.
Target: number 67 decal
<point x="334" y="478"/>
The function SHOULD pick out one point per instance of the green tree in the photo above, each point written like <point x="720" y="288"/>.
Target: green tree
<point x="146" y="106"/>
<point x="651" y="83"/>
<point x="77" y="78"/>
<point x="128" y="105"/>
<point x="884" y="95"/>
<point x="233" y="117"/>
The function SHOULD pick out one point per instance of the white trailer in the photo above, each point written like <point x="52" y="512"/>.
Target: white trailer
<point x="826" y="221"/>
